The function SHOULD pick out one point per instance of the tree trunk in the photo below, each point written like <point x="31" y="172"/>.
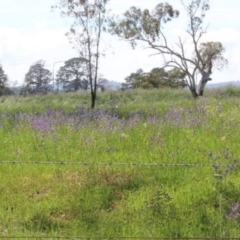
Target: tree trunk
<point x="201" y="87"/>
<point x="93" y="96"/>
<point x="194" y="93"/>
<point x="203" y="83"/>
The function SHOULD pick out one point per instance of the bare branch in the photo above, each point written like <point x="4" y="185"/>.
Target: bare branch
<point x="138" y="25"/>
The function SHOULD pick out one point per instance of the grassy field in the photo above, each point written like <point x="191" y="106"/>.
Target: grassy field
<point x="142" y="164"/>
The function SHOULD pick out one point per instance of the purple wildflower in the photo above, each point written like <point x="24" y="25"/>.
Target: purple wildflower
<point x="234" y="214"/>
<point x="42" y="124"/>
<point x="216" y="166"/>
<point x="235" y="207"/>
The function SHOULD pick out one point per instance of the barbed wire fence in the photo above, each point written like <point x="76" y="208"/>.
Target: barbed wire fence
<point x="60" y="162"/>
<point x="106" y="238"/>
<point x="96" y="237"/>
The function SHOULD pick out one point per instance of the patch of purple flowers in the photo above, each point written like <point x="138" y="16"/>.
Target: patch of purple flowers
<point x="103" y="120"/>
<point x="183" y="117"/>
<point x="235" y="212"/>
<point x="175" y="116"/>
<point x="43" y="124"/>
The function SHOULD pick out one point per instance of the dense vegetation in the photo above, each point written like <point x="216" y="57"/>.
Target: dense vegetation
<point x="156" y="78"/>
<point x="142" y="164"/>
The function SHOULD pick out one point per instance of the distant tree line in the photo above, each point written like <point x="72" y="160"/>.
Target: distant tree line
<point x="156" y="78"/>
<point x="4" y="88"/>
<point x="73" y="76"/>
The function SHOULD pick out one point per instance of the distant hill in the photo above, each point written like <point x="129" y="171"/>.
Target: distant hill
<point x="112" y="85"/>
<point x="117" y="85"/>
<point x="223" y="84"/>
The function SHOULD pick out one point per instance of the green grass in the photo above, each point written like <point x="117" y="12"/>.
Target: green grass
<point x="121" y="188"/>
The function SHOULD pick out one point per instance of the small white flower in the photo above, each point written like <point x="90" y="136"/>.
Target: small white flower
<point x="124" y="135"/>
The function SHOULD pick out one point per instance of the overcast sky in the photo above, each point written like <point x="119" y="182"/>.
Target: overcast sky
<point x="29" y="32"/>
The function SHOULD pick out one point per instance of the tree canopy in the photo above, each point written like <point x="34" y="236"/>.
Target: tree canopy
<point x="3" y="81"/>
<point x="73" y="75"/>
<point x="156" y="78"/>
<point x="37" y="79"/>
<point x="143" y="25"/>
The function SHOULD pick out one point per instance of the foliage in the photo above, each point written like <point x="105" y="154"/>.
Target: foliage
<point x="73" y="75"/>
<point x="3" y="82"/>
<point x="156" y="78"/>
<point x="37" y="80"/>
<point x="90" y="18"/>
<point x="144" y="25"/>
<point x="214" y="50"/>
<point x="147" y="27"/>
<point x="7" y="91"/>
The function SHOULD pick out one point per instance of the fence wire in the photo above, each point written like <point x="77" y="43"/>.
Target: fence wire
<point x="96" y="237"/>
<point x="113" y="163"/>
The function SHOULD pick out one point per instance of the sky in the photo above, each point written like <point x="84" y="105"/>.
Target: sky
<point x="30" y="31"/>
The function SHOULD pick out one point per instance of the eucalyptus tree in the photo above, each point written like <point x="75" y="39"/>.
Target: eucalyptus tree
<point x="90" y="21"/>
<point x="37" y="79"/>
<point x="138" y="25"/>
<point x="73" y="75"/>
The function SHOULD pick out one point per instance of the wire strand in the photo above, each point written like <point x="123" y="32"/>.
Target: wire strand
<point x="112" y="163"/>
<point x="114" y="237"/>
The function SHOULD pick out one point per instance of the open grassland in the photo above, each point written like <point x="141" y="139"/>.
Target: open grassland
<point x="143" y="164"/>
